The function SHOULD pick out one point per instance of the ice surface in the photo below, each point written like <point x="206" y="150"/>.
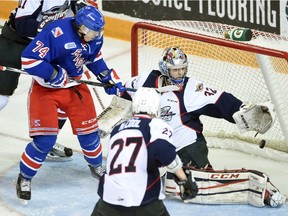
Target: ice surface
<point x="67" y="188"/>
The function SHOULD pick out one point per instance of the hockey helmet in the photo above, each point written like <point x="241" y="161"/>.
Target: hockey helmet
<point x="146" y="101"/>
<point x="173" y="58"/>
<point x="92" y="19"/>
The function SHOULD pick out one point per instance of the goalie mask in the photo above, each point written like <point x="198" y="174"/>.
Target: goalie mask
<point x="90" y="21"/>
<point x="174" y="64"/>
<point x="146" y="101"/>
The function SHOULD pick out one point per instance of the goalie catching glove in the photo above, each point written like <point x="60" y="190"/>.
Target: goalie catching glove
<point x="110" y="76"/>
<point x="188" y="187"/>
<point x="255" y="117"/>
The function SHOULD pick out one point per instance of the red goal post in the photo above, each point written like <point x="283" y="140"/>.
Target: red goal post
<point x="254" y="71"/>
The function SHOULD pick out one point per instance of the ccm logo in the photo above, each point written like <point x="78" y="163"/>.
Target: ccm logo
<point x="224" y="176"/>
<point x="89" y="121"/>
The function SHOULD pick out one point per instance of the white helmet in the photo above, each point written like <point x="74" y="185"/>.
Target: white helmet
<point x="173" y="58"/>
<point x="146" y="101"/>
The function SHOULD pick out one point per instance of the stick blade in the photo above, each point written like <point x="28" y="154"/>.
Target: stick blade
<point x="2" y="68"/>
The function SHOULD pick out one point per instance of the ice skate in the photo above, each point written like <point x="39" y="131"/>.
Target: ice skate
<point x="274" y="198"/>
<point x="23" y="189"/>
<point x="97" y="172"/>
<point x="60" y="153"/>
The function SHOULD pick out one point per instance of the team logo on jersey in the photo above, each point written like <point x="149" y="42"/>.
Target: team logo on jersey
<point x="70" y="45"/>
<point x="57" y="32"/>
<point x="166" y="115"/>
<point x="199" y="87"/>
<point x="79" y="60"/>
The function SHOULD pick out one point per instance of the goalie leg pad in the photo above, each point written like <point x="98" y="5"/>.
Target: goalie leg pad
<point x="118" y="111"/>
<point x="170" y="186"/>
<point x="230" y="187"/>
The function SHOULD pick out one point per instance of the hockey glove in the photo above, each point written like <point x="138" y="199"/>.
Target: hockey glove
<point x="59" y="78"/>
<point x="188" y="188"/>
<point x="110" y="76"/>
<point x="255" y="117"/>
<point x="116" y="89"/>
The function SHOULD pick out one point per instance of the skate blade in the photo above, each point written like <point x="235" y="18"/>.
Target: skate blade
<point x="23" y="202"/>
<point x="58" y="159"/>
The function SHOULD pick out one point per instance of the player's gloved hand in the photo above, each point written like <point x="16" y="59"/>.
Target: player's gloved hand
<point x="111" y="77"/>
<point x="106" y="76"/>
<point x="188" y="188"/>
<point x="59" y="77"/>
<point x="116" y="89"/>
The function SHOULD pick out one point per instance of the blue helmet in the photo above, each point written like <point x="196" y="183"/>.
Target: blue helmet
<point x="173" y="58"/>
<point x="91" y="18"/>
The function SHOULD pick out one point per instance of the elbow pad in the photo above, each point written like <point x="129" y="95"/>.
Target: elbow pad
<point x="175" y="165"/>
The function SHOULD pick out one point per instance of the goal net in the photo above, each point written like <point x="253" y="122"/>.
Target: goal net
<point x="254" y="71"/>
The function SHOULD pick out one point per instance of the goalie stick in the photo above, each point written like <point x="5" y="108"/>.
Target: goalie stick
<point x="105" y="85"/>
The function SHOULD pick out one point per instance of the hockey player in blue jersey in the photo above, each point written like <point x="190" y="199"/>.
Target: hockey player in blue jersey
<point x="24" y="23"/>
<point x="55" y="58"/>
<point x="136" y="148"/>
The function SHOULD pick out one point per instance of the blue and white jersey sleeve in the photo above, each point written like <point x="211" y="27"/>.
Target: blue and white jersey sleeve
<point x="200" y="99"/>
<point x="198" y="95"/>
<point x="162" y="141"/>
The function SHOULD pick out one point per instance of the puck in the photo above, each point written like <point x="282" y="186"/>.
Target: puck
<point x="262" y="144"/>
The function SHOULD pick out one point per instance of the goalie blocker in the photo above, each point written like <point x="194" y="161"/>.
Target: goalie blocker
<point x="229" y="187"/>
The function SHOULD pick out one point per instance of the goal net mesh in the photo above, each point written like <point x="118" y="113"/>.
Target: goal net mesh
<point x="254" y="71"/>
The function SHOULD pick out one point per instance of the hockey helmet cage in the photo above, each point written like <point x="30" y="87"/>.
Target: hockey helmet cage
<point x="146" y="101"/>
<point x="92" y="19"/>
<point x="173" y="58"/>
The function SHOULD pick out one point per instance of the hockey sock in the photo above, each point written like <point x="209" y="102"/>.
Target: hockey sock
<point x="91" y="148"/>
<point x="61" y="123"/>
<point x="62" y="117"/>
<point x="35" y="154"/>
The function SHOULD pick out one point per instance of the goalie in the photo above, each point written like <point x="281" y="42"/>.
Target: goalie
<point x="182" y="109"/>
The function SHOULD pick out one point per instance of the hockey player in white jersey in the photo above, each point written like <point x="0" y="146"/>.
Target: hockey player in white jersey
<point x="24" y="23"/>
<point x="136" y="148"/>
<point x="182" y="110"/>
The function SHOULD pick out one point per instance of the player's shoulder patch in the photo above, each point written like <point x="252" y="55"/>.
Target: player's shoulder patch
<point x="70" y="45"/>
<point x="56" y="32"/>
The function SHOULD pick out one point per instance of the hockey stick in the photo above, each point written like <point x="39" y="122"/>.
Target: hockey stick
<point x="160" y="89"/>
<point x="3" y="68"/>
<point x="105" y="85"/>
<point x="11" y="69"/>
<point x="87" y="74"/>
